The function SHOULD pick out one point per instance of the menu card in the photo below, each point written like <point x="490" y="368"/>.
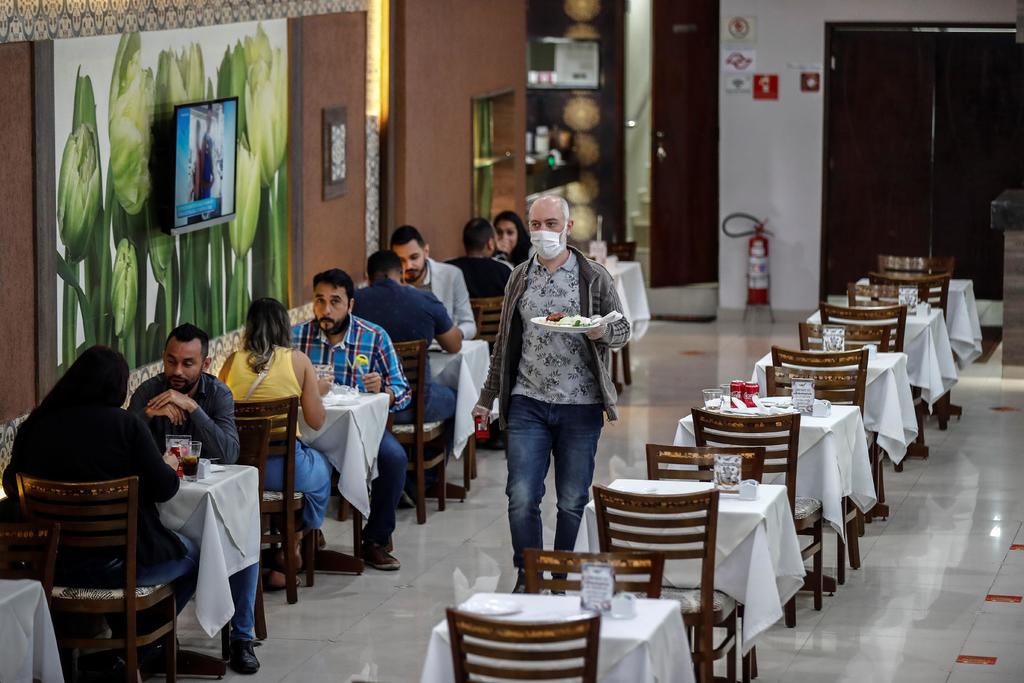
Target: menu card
<point x="598" y="586"/>
<point x="833" y="338"/>
<point x="803" y="395"/>
<point x="598" y="250"/>
<point x="728" y="469"/>
<point x="908" y="297"/>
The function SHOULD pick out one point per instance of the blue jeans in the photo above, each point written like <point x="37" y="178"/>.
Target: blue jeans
<point x="386" y="490"/>
<point x="243" y="593"/>
<point x="538" y="431"/>
<point x="312" y="477"/>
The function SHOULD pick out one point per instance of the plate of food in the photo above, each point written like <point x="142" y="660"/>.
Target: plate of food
<point x="573" y="324"/>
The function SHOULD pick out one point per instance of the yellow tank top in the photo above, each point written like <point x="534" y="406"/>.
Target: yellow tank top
<point x="280" y="381"/>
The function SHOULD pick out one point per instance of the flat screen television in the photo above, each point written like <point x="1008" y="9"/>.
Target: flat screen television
<point x="205" y="144"/>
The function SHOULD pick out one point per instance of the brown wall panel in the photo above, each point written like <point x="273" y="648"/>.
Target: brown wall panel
<point x="333" y="53"/>
<point x="17" y="258"/>
<point x="446" y="52"/>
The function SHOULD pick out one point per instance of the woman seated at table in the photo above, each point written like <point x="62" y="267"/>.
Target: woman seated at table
<point x="265" y="369"/>
<point x="80" y="433"/>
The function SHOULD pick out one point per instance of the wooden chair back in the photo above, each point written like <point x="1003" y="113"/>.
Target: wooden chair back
<point x="893" y="318"/>
<point x="635" y="572"/>
<point x="931" y="288"/>
<point x="29" y="551"/>
<point x="625" y="251"/>
<point x="916" y="265"/>
<point x="779" y="435"/>
<point x="268" y="429"/>
<point x="487" y="649"/>
<point x="413" y="356"/>
<point x="487" y="315"/>
<point x="864" y="294"/>
<point x="856" y="336"/>
<point x="839" y="376"/>
<point x="693" y="463"/>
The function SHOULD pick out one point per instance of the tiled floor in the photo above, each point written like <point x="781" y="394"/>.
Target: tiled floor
<point x="915" y="605"/>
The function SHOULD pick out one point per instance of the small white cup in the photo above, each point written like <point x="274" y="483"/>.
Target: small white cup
<point x="624" y="606"/>
<point x="748" y="489"/>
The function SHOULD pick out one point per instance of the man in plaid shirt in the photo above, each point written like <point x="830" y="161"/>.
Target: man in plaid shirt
<point x="363" y="357"/>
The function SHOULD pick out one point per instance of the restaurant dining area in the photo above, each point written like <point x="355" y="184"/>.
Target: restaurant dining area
<point x="450" y="341"/>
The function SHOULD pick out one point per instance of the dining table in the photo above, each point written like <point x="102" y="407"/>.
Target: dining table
<point x="28" y="645"/>
<point x="465" y="372"/>
<point x="650" y="647"/>
<point x="757" y="552"/>
<point x="962" y="322"/>
<point x="628" y="277"/>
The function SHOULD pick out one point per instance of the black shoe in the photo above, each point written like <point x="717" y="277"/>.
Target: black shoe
<point x="406" y="502"/>
<point x="243" y="659"/>
<point x="520" y="583"/>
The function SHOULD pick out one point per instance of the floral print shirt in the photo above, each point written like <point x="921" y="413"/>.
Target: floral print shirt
<point x="553" y="366"/>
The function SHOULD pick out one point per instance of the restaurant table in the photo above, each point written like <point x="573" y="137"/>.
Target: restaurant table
<point x="757" y="552"/>
<point x="651" y="647"/>
<point x="833" y="461"/>
<point x="221" y="515"/>
<point x="963" y="324"/>
<point x="888" y="402"/>
<point x="28" y="647"/>
<point x="930" y="363"/>
<point x="629" y="285"/>
<point x="465" y="372"/>
<point x="350" y="439"/>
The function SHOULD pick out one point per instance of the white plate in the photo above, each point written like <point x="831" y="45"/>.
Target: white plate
<point x="542" y="321"/>
<point x="495" y="607"/>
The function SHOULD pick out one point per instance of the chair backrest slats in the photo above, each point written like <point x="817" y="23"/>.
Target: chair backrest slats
<point x="487" y="314"/>
<point x="268" y="429"/>
<point x="29" y="551"/>
<point x="931" y="288"/>
<point x="916" y="265"/>
<point x="892" y="317"/>
<point x="839" y="376"/>
<point x="413" y="356"/>
<point x="692" y="463"/>
<point x="635" y="572"/>
<point x="811" y="336"/>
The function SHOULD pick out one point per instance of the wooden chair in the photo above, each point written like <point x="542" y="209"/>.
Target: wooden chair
<point x="692" y="463"/>
<point x="103" y="516"/>
<point x="487" y="649"/>
<point x="625" y="251"/>
<point x="267" y="429"/>
<point x="916" y="265"/>
<point x="487" y="315"/>
<point x="857" y="336"/>
<point x="635" y="572"/>
<point x="864" y="294"/>
<point x="931" y="288"/>
<point x="839" y="377"/>
<point x="416" y="436"/>
<point x="779" y="435"/>
<point x="640" y="522"/>
<point x="28" y="551"/>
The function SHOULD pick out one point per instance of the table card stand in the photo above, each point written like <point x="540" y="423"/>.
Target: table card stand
<point x="728" y="469"/>
<point x="833" y="338"/>
<point x="802" y="390"/>
<point x="908" y="297"/>
<point x="598" y="586"/>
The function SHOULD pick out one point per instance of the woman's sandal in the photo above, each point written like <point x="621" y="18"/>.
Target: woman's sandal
<point x="271" y="586"/>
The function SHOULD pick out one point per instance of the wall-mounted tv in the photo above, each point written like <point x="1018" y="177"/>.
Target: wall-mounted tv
<point x="563" y="64"/>
<point x="205" y="144"/>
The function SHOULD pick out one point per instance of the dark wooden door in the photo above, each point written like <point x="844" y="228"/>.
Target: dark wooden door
<point x="684" y="152"/>
<point x="878" y="137"/>
<point x="979" y="149"/>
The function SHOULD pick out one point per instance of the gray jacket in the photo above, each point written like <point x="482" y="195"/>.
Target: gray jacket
<point x="448" y="284"/>
<point x="597" y="297"/>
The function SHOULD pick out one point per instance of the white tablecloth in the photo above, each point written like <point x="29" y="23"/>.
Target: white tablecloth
<point x="629" y="284"/>
<point x="930" y="363"/>
<point x="651" y="647"/>
<point x="833" y="461"/>
<point x="962" y="323"/>
<point x="221" y="514"/>
<point x="349" y="439"/>
<point x="757" y="553"/>
<point x="888" y="402"/>
<point x="28" y="647"/>
<point x="465" y="372"/>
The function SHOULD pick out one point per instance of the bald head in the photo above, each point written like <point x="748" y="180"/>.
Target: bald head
<point x="549" y="212"/>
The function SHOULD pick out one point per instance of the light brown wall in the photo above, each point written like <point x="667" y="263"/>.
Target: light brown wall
<point x="17" y="257"/>
<point x="446" y="52"/>
<point x="333" y="73"/>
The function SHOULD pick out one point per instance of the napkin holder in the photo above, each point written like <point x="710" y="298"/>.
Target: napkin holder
<point x="822" y="408"/>
<point x="923" y="309"/>
<point x="748" y="489"/>
<point x="872" y="349"/>
<point x="204" y="469"/>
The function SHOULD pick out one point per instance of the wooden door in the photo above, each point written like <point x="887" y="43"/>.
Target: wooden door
<point x="684" y="152"/>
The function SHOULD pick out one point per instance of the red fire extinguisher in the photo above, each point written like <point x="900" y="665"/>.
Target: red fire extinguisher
<point x="757" y="257"/>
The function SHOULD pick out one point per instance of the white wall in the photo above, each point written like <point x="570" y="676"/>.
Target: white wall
<point x="770" y="151"/>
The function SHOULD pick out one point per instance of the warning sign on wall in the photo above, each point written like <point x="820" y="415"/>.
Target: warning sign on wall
<point x="810" y="81"/>
<point x="739" y="61"/>
<point x="766" y="86"/>
<point x="739" y="29"/>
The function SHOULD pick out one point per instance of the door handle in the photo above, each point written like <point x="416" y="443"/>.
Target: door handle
<point x="661" y="153"/>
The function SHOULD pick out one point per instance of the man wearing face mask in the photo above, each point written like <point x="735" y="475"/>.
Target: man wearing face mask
<point x="553" y="388"/>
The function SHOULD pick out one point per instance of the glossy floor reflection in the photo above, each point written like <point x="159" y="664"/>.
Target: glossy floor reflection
<point x="916" y="604"/>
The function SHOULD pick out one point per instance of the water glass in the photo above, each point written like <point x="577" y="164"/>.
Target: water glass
<point x="190" y="461"/>
<point x="712" y="398"/>
<point x="726" y="390"/>
<point x="324" y="371"/>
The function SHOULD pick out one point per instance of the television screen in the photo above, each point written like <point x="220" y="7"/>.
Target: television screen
<point x="204" y="164"/>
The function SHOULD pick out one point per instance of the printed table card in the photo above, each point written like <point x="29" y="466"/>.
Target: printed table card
<point x="598" y="586"/>
<point x="803" y="395"/>
<point x="728" y="469"/>
<point x="908" y="297"/>
<point x="833" y="338"/>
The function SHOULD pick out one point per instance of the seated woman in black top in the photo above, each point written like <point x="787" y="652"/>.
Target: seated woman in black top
<point x="80" y="433"/>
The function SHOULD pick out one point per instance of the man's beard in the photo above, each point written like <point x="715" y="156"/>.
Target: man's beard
<point x="186" y="388"/>
<point x="336" y="329"/>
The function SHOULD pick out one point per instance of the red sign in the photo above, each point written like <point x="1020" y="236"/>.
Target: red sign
<point x="1017" y="546"/>
<point x="1003" y="598"/>
<point x="810" y="81"/>
<point x="973" y="659"/>
<point x="766" y="86"/>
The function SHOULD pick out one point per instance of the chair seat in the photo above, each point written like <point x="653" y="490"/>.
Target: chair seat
<point x="77" y="593"/>
<point x="411" y="429"/>
<point x="805" y="507"/>
<point x="689" y="598"/>
<point x="278" y="496"/>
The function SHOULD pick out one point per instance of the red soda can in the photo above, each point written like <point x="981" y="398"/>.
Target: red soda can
<point x="750" y="390"/>
<point x="483" y="427"/>
<point x="736" y="388"/>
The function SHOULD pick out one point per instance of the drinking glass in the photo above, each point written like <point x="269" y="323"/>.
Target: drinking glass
<point x="726" y="395"/>
<point x="712" y="398"/>
<point x="178" y="446"/>
<point x="190" y="461"/>
<point x="324" y="371"/>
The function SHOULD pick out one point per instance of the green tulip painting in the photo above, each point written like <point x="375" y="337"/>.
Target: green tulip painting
<point x="130" y="120"/>
<point x="242" y="233"/>
<point x="124" y="295"/>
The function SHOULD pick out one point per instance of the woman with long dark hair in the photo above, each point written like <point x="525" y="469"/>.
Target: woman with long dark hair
<point x="80" y="432"/>
<point x="267" y="368"/>
<point x="513" y="239"/>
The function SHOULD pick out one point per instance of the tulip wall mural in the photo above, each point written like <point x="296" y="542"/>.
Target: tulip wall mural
<point x="121" y="280"/>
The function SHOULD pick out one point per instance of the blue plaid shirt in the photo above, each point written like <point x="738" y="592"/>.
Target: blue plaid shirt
<point x="363" y="338"/>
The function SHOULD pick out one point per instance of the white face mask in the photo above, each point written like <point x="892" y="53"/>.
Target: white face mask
<point x="547" y="243"/>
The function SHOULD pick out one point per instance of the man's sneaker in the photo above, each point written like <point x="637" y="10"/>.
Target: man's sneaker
<point x="243" y="659"/>
<point x="378" y="557"/>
